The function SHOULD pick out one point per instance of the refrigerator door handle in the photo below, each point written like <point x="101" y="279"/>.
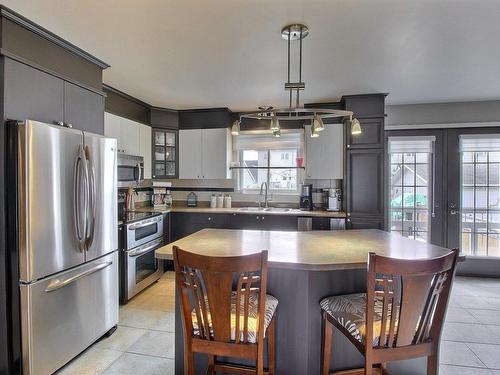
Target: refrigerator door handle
<point x="92" y="199"/>
<point x="81" y="180"/>
<point x="57" y="283"/>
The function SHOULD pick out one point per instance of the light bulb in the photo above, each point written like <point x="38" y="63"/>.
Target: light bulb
<point x="235" y="129"/>
<point x="275" y="124"/>
<point x="318" y="124"/>
<point x="355" y="126"/>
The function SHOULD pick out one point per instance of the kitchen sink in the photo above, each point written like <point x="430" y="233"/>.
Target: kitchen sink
<point x="277" y="209"/>
<point x="251" y="209"/>
<point x="268" y="209"/>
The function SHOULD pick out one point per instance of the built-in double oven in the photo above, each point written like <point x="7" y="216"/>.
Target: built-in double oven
<point x="141" y="234"/>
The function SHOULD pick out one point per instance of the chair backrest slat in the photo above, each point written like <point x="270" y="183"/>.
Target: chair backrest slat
<point x="209" y="298"/>
<point x="410" y="296"/>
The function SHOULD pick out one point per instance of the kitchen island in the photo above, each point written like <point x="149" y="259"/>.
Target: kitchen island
<point x="304" y="267"/>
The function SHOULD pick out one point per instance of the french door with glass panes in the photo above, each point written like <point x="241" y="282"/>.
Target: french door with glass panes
<point x="415" y="189"/>
<point x="473" y="178"/>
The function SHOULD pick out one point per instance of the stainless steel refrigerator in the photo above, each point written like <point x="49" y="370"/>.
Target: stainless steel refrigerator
<point x="66" y="241"/>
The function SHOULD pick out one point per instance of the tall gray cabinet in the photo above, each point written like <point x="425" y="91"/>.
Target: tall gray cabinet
<point x="365" y="155"/>
<point x="43" y="78"/>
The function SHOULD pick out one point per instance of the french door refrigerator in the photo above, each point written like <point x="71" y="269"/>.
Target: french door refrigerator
<point x="62" y="221"/>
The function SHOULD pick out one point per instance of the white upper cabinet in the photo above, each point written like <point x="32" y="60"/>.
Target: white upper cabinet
<point x="204" y="153"/>
<point x="325" y="154"/>
<point x="133" y="138"/>
<point x="112" y="128"/>
<point x="190" y="154"/>
<point x="130" y="136"/>
<point x="145" y="148"/>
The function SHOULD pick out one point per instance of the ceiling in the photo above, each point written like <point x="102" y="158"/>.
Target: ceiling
<point x="229" y="53"/>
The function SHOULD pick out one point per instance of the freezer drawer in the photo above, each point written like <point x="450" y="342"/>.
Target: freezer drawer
<point x="63" y="314"/>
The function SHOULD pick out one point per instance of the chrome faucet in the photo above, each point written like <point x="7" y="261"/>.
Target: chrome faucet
<point x="265" y="197"/>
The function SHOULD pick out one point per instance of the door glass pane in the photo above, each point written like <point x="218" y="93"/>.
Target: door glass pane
<point x="169" y="153"/>
<point x="480" y="194"/>
<point x="160" y="169"/>
<point x="170" y="169"/>
<point x="170" y="139"/>
<point x="410" y="194"/>
<point x="145" y="265"/>
<point x="159" y="138"/>
<point x="159" y="153"/>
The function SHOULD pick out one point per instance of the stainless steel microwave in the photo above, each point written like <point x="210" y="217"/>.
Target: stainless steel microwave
<point x="130" y="170"/>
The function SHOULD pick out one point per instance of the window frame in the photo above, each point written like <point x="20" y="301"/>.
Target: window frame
<point x="268" y="168"/>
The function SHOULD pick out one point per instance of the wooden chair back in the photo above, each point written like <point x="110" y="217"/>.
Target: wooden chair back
<point x="411" y="296"/>
<point x="206" y="286"/>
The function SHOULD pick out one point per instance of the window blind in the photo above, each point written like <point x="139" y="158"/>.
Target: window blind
<point x="411" y="144"/>
<point x="479" y="143"/>
<point x="268" y="142"/>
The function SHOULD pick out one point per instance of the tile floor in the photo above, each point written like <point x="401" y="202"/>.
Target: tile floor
<point x="144" y="341"/>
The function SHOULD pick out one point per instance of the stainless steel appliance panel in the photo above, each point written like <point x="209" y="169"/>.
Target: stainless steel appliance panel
<point x="63" y="314"/>
<point x="143" y="231"/>
<point x="51" y="188"/>
<point x="130" y="170"/>
<point x="102" y="214"/>
<point x="142" y="267"/>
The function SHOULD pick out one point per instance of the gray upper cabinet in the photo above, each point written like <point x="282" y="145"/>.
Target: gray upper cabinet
<point x="372" y="135"/>
<point x="32" y="94"/>
<point x="83" y="108"/>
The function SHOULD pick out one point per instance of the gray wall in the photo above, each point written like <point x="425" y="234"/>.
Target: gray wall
<point x="443" y="113"/>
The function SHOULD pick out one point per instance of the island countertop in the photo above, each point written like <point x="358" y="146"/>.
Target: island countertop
<point x="313" y="251"/>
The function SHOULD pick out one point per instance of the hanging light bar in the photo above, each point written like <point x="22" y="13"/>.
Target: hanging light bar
<point x="315" y="115"/>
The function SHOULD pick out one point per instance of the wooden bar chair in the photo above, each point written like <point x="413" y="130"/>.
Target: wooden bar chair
<point x="400" y="317"/>
<point x="226" y="311"/>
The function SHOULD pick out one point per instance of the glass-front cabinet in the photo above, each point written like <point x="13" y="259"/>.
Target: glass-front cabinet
<point x="165" y="153"/>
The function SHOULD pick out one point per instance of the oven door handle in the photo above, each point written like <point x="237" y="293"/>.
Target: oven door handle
<point x="151" y="221"/>
<point x="141" y="251"/>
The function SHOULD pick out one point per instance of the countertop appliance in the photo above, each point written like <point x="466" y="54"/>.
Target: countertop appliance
<point x="332" y="199"/>
<point x="141" y="233"/>
<point x="130" y="170"/>
<point x="306" y="201"/>
<point x="192" y="200"/>
<point x="63" y="242"/>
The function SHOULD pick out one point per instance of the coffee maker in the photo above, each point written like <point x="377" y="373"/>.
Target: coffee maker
<point x="332" y="199"/>
<point x="306" y="200"/>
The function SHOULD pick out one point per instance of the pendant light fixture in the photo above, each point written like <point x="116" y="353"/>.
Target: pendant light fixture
<point x="318" y="124"/>
<point x="235" y="129"/>
<point x="355" y="126"/>
<point x="316" y="116"/>
<point x="275" y="124"/>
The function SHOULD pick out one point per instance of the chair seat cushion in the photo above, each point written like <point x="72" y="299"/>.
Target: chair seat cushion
<point x="271" y="305"/>
<point x="350" y="311"/>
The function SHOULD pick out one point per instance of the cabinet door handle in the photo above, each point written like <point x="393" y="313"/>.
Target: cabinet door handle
<point x="209" y="218"/>
<point x="263" y="217"/>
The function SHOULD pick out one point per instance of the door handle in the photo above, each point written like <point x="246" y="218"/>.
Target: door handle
<point x="138" y="173"/>
<point x="454" y="212"/>
<point x="92" y="198"/>
<point x="143" y="250"/>
<point x="80" y="174"/>
<point x="57" y="283"/>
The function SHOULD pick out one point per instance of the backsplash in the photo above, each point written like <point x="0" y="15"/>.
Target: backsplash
<point x="205" y="188"/>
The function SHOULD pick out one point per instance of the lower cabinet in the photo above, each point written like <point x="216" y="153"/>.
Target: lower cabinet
<point x="365" y="222"/>
<point x="183" y="224"/>
<point x="263" y="222"/>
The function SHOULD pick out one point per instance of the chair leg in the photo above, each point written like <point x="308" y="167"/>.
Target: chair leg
<point x="327" y="345"/>
<point x="271" y="347"/>
<point x="432" y="364"/>
<point x="211" y="363"/>
<point x="188" y="362"/>
<point x="260" y="360"/>
<point x="368" y="368"/>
